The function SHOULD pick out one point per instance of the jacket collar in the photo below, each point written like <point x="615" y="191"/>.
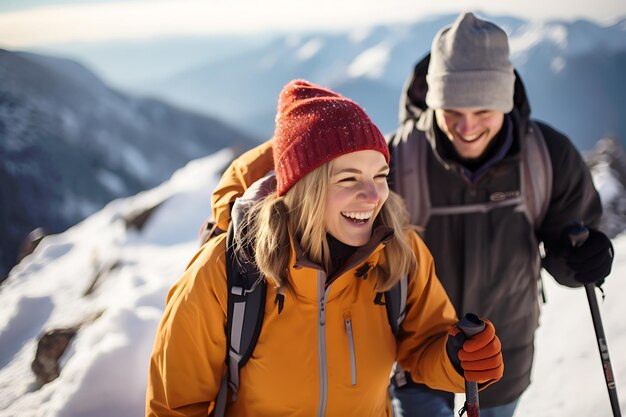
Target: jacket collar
<point x="435" y="139"/>
<point x="304" y="275"/>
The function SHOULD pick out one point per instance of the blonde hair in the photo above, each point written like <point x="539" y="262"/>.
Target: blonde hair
<point x="268" y="224"/>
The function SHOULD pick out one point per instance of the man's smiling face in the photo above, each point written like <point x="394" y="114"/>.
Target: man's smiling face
<point x="469" y="129"/>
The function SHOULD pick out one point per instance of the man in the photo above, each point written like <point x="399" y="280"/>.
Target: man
<point x="465" y="101"/>
<point x="467" y="111"/>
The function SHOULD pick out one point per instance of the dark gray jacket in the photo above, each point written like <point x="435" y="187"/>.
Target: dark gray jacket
<point x="489" y="262"/>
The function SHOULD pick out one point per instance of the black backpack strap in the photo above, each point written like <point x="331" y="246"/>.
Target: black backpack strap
<point x="246" y="308"/>
<point x="395" y="303"/>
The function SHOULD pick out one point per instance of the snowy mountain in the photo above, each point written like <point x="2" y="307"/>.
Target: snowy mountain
<point x="573" y="72"/>
<point x="69" y="144"/>
<point x="98" y="291"/>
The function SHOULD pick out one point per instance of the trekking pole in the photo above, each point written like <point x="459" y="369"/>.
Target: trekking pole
<point x="577" y="235"/>
<point x="469" y="326"/>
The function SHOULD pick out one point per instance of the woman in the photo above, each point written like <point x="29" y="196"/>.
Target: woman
<point x="329" y="349"/>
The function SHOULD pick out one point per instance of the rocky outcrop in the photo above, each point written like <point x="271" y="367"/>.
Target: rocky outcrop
<point x="51" y="348"/>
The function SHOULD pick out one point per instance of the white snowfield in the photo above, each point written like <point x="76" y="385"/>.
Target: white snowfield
<point x="104" y="371"/>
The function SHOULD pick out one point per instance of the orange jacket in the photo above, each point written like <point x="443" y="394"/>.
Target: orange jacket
<point x="305" y="358"/>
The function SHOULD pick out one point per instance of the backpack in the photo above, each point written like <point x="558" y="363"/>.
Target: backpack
<point x="247" y="291"/>
<point x="535" y="173"/>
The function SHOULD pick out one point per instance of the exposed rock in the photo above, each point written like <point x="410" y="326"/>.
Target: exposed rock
<point x="101" y="270"/>
<point x="50" y="348"/>
<point x="31" y="242"/>
<point x="137" y="220"/>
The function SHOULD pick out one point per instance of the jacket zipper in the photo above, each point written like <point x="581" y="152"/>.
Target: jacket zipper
<point x="322" y="291"/>
<point x="348" y="321"/>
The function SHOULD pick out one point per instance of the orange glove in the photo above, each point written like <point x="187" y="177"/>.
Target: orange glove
<point x="479" y="357"/>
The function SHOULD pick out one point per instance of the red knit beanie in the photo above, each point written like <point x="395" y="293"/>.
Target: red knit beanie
<point x="315" y="125"/>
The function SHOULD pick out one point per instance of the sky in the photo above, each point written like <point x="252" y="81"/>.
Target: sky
<point x="27" y="23"/>
<point x="104" y="371"/>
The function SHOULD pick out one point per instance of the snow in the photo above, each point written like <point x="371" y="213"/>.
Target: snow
<point x="567" y="375"/>
<point x="568" y="39"/>
<point x="70" y="122"/>
<point x="111" y="181"/>
<point x="525" y="39"/>
<point x="358" y="35"/>
<point x="309" y="49"/>
<point x="557" y="34"/>
<point x="370" y="63"/>
<point x="557" y="64"/>
<point x="606" y="183"/>
<point x="104" y="371"/>
<point x="106" y="368"/>
<point x="136" y="162"/>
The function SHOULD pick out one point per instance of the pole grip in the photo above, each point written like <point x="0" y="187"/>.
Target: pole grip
<point x="577" y="234"/>
<point x="471" y="325"/>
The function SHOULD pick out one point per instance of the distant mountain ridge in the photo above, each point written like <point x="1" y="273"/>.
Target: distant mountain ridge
<point x="572" y="71"/>
<point x="69" y="144"/>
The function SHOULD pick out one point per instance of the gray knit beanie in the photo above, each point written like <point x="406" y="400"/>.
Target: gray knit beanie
<point x="469" y="67"/>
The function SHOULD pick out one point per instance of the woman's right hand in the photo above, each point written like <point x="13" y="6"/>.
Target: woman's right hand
<point x="479" y="357"/>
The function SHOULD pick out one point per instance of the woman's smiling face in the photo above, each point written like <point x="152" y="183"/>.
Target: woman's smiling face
<point x="357" y="190"/>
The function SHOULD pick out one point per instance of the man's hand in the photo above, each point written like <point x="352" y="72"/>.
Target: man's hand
<point x="592" y="259"/>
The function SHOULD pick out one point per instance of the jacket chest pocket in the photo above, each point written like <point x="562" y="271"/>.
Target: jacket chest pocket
<point x="351" y="349"/>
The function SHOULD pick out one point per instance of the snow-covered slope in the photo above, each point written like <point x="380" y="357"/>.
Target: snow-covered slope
<point x="103" y="267"/>
<point x="105" y="369"/>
